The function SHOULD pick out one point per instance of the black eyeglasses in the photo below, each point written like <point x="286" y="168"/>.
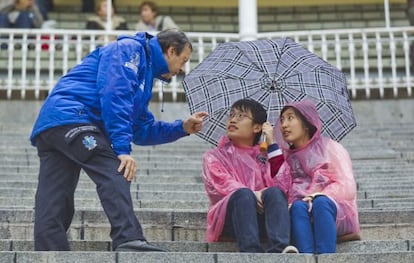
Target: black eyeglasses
<point x="238" y="115"/>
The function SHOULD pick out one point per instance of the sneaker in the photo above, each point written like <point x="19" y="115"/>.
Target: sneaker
<point x="290" y="249"/>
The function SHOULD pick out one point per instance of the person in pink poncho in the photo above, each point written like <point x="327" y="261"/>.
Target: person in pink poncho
<point x="243" y="202"/>
<point x="318" y="180"/>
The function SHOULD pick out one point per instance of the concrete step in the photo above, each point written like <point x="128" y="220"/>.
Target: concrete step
<point x="357" y="251"/>
<point x="33" y="171"/>
<point x="90" y="193"/>
<point x="13" y="156"/>
<point x="391" y="185"/>
<point x="207" y="257"/>
<point x="365" y="189"/>
<point x="193" y="194"/>
<point x="364" y="246"/>
<point x="87" y="184"/>
<point x="365" y="162"/>
<point x="9" y="163"/>
<point x="156" y="232"/>
<point x="189" y="224"/>
<point x="388" y="170"/>
<point x="82" y="203"/>
<point x="142" y="177"/>
<point x="161" y="183"/>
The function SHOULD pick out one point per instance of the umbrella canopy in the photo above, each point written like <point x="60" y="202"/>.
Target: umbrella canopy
<point x="272" y="72"/>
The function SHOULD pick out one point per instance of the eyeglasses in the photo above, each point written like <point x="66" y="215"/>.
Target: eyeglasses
<point x="238" y="115"/>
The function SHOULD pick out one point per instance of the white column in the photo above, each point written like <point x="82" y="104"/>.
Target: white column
<point x="387" y="13"/>
<point x="108" y="15"/>
<point x="247" y="20"/>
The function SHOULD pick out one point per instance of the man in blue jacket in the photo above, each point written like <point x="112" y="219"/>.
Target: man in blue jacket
<point x="89" y="121"/>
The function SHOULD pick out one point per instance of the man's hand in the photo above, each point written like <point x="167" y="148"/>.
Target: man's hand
<point x="128" y="165"/>
<point x="194" y="123"/>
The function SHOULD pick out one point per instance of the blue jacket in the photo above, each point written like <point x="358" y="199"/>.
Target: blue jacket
<point x="111" y="88"/>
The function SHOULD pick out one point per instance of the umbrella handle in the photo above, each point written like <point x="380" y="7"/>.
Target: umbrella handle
<point x="263" y="146"/>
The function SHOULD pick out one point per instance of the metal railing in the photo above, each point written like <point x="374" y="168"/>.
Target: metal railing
<point x="372" y="59"/>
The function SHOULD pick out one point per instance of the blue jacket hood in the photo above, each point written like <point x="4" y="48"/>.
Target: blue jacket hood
<point x="158" y="63"/>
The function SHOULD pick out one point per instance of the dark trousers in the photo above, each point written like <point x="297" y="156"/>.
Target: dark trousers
<point x="247" y="226"/>
<point x="61" y="159"/>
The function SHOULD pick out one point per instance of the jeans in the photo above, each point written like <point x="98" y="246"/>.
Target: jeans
<point x="245" y="224"/>
<point x="314" y="232"/>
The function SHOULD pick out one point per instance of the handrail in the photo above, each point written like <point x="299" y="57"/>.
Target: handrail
<point x="376" y="61"/>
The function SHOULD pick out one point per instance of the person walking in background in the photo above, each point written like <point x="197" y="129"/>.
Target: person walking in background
<point x="318" y="179"/>
<point x="21" y="14"/>
<point x="89" y="121"/>
<point x="151" y="20"/>
<point x="243" y="203"/>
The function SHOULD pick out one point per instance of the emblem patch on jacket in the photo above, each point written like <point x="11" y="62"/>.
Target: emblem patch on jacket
<point x="89" y="142"/>
<point x="133" y="62"/>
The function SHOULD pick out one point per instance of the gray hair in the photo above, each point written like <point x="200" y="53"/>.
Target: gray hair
<point x="173" y="38"/>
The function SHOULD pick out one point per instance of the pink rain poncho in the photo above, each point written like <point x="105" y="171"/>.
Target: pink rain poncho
<point x="321" y="166"/>
<point x="226" y="169"/>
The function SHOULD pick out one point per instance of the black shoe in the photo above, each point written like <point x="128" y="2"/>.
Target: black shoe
<point x="138" y="246"/>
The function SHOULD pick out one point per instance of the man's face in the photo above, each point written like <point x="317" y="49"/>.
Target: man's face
<point x="176" y="62"/>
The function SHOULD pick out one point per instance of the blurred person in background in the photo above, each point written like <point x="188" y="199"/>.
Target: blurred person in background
<point x="21" y="14"/>
<point x="99" y="21"/>
<point x="151" y="20"/>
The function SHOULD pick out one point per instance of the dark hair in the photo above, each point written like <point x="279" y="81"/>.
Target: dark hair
<point x="258" y="113"/>
<point x="306" y="124"/>
<point x="173" y="38"/>
<point x="153" y="6"/>
<point x="98" y="5"/>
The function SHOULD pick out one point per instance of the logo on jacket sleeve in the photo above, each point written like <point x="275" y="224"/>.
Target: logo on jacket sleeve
<point x="89" y="142"/>
<point x="133" y="62"/>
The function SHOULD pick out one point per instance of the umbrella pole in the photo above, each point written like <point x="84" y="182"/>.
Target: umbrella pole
<point x="263" y="143"/>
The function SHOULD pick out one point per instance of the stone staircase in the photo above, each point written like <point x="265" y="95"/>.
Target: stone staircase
<point x="171" y="205"/>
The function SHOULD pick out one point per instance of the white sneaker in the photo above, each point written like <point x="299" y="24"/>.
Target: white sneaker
<point x="290" y="249"/>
